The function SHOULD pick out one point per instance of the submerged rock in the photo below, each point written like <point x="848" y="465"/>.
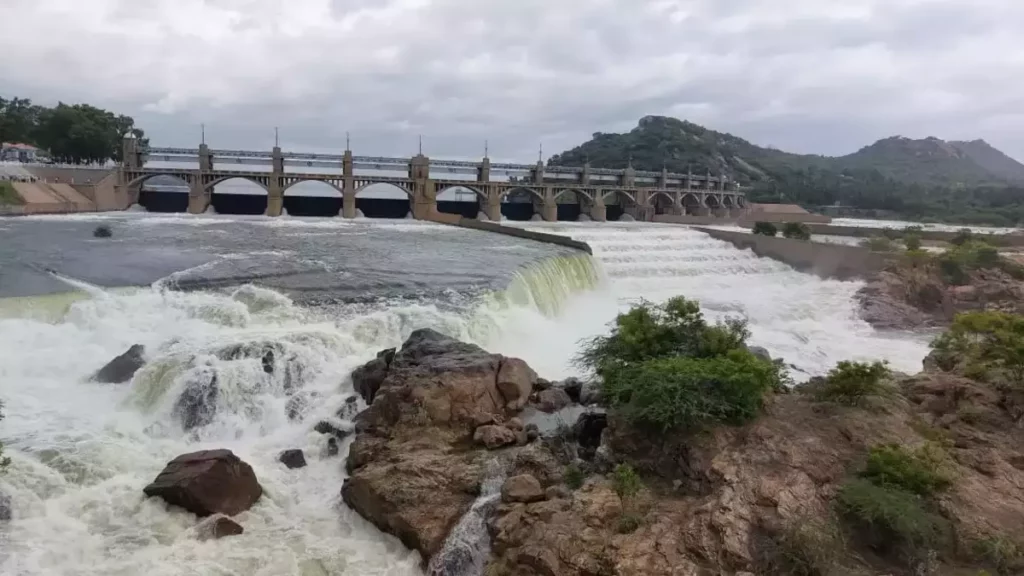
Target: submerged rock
<point x="217" y="527"/>
<point x="122" y="368"/>
<point x="207" y="482"/>
<point x="6" y="507"/>
<point x="325" y="427"/>
<point x="293" y="458"/>
<point x="332" y="446"/>
<point x="197" y="405"/>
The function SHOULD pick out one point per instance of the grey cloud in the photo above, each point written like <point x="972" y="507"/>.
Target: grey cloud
<point x="824" y="76"/>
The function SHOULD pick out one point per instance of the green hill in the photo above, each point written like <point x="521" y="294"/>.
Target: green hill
<point x="926" y="179"/>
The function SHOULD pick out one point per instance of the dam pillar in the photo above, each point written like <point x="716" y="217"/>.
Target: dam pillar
<point x="492" y="205"/>
<point x="598" y="212"/>
<point x="199" y="197"/>
<point x="548" y="206"/>
<point x="275" y="188"/>
<point x="348" y="189"/>
<point x="424" y="196"/>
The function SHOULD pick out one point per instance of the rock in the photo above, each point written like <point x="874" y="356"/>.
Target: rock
<point x="349" y="409"/>
<point x="590" y="393"/>
<point x="207" y="482"/>
<point x="760" y="352"/>
<point x="325" y="427"/>
<point x="573" y="387"/>
<point x="122" y="368"/>
<point x="332" y="446"/>
<point x="587" y="430"/>
<point x="6" y="507"/>
<point x="552" y="400"/>
<point x="514" y="424"/>
<point x="216" y="527"/>
<point x="293" y="458"/>
<point x="515" y="382"/>
<point x="532" y="432"/>
<point x="494" y="437"/>
<point x="557" y="492"/>
<point x="268" y="361"/>
<point x="366" y="379"/>
<point x="197" y="405"/>
<point x="541" y="384"/>
<point x="523" y="488"/>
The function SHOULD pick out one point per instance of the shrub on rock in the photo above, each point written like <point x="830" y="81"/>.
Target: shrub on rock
<point x="765" y="229"/>
<point x="853" y="383"/>
<point x="796" y="231"/>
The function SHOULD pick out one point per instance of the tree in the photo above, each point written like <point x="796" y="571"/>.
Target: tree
<point x="985" y="344"/>
<point x="765" y="229"/>
<point x="796" y="231"/>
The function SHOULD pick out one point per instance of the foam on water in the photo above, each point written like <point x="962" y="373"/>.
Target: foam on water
<point x="83" y="451"/>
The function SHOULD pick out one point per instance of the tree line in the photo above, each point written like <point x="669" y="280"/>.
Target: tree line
<point x="71" y="133"/>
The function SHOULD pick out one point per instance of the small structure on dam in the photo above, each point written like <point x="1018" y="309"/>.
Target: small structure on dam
<point x="521" y="192"/>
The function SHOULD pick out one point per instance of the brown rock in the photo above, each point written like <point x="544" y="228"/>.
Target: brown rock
<point x="218" y="526"/>
<point x="523" y="488"/>
<point x="494" y="437"/>
<point x="514" y="424"/>
<point x="552" y="400"/>
<point x="208" y="482"/>
<point x="515" y="382"/>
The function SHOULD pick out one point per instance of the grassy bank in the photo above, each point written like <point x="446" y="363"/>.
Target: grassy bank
<point x="8" y="196"/>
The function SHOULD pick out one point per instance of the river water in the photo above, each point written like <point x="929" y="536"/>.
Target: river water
<point x="326" y="294"/>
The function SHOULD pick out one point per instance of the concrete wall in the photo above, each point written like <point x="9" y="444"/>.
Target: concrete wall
<point x="862" y="232"/>
<point x="474" y="224"/>
<point x="694" y="220"/>
<point x="750" y="218"/>
<point x="825" y="260"/>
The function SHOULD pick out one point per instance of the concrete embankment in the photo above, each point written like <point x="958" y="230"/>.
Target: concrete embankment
<point x="825" y="260"/>
<point x="474" y="224"/>
<point x="936" y="235"/>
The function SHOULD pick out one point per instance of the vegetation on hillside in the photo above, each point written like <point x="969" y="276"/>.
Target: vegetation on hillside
<point x="664" y="368"/>
<point x="917" y="179"/>
<point x="989" y="346"/>
<point x="75" y="133"/>
<point x="765" y="229"/>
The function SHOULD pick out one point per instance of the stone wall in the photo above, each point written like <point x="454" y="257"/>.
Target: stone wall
<point x="825" y="260"/>
<point x="474" y="224"/>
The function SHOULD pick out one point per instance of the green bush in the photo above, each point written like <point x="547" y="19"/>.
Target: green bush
<point x="893" y="519"/>
<point x="765" y="229"/>
<point x="796" y="231"/>
<point x="626" y="482"/>
<point x="628" y="523"/>
<point x="573" y="477"/>
<point x="691" y="393"/>
<point x="984" y="342"/>
<point x="8" y="195"/>
<point x="963" y="236"/>
<point x="913" y="229"/>
<point x="1003" y="554"/>
<point x="851" y="383"/>
<point x="807" y="548"/>
<point x="648" y="331"/>
<point x="878" y="244"/>
<point x="920" y="471"/>
<point x="912" y="241"/>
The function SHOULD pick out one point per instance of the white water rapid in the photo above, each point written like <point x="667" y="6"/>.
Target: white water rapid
<point x="82" y="452"/>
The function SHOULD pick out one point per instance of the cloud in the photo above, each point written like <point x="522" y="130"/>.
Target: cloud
<point x="824" y="76"/>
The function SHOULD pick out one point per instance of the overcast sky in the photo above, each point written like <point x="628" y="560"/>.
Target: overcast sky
<point x="821" y="76"/>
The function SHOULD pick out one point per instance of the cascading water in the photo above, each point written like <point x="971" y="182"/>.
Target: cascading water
<point x="83" y="451"/>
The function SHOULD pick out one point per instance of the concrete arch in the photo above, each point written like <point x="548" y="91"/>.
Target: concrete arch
<point x="534" y="193"/>
<point x="449" y="187"/>
<point x="289" y="190"/>
<point x="175" y="198"/>
<point x="212" y="185"/>
<point x="577" y="193"/>
<point x="662" y="202"/>
<point x="713" y="201"/>
<point x="691" y="203"/>
<point x="381" y="186"/>
<point x="141" y="180"/>
<point x="622" y="195"/>
<point x="728" y="201"/>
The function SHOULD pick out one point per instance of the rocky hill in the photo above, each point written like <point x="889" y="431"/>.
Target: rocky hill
<point x="924" y="178"/>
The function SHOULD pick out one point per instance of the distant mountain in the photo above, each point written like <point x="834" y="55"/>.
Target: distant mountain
<point x="917" y="178"/>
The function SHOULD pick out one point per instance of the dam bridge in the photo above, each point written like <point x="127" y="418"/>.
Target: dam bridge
<point x="599" y="193"/>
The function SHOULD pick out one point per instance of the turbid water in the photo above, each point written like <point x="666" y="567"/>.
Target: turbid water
<point x="327" y="294"/>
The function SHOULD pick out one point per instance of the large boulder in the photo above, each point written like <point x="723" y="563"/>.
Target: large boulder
<point x="122" y="368"/>
<point x="552" y="400"/>
<point x="515" y="382"/>
<point x="207" y="482"/>
<point x="493" y="436"/>
<point x="522" y="488"/>
<point x="293" y="458"/>
<point x="414" y="470"/>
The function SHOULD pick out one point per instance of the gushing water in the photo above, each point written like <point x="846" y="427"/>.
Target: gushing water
<point x="83" y="451"/>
